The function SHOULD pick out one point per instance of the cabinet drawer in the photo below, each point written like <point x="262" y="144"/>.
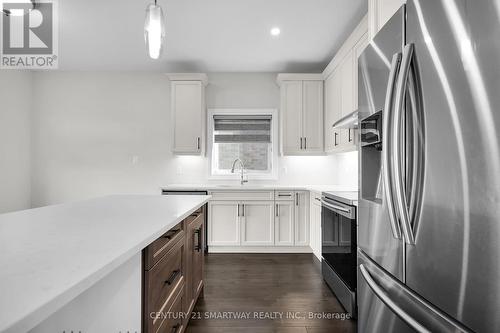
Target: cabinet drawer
<point x="284" y="195"/>
<point x="156" y="250"/>
<point x="242" y="195"/>
<point x="163" y="280"/>
<point x="173" y="322"/>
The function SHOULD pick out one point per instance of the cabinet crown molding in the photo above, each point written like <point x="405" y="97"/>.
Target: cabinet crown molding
<point x="298" y="77"/>
<point x="188" y="77"/>
<point x="358" y="33"/>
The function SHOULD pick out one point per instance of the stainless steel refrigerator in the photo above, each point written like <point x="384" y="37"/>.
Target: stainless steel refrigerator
<point x="429" y="205"/>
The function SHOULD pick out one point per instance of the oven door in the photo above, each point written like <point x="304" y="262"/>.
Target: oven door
<point x="338" y="243"/>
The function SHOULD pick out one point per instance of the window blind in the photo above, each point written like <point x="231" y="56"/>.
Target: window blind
<point x="242" y="128"/>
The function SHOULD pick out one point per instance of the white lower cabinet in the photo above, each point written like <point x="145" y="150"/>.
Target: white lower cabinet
<point x="284" y="222"/>
<point x="252" y="225"/>
<point x="302" y="218"/>
<point x="223" y="223"/>
<point x="315" y="224"/>
<point x="257" y="223"/>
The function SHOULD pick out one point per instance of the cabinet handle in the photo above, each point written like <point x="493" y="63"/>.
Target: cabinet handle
<point x="296" y="199"/>
<point x="301" y="143"/>
<point x="198" y="243"/>
<point x="239" y="210"/>
<point x="277" y="210"/>
<point x="284" y="195"/>
<point x="198" y="142"/>
<point x="335" y="142"/>
<point x="171" y="234"/>
<point x="305" y="142"/>
<point x="350" y="135"/>
<point x="175" y="328"/>
<point x="173" y="276"/>
<point x="243" y="210"/>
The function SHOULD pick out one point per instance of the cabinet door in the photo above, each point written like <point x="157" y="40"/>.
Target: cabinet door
<point x="301" y="218"/>
<point x="284" y="223"/>
<point x="347" y="89"/>
<point x="188" y="112"/>
<point x="332" y="98"/>
<point x="197" y="257"/>
<point x="223" y="223"/>
<point x="312" y="116"/>
<point x="291" y="116"/>
<point x="334" y="109"/>
<point x="257" y="223"/>
<point x="315" y="224"/>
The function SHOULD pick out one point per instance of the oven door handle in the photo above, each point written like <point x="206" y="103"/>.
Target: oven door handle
<point x="335" y="207"/>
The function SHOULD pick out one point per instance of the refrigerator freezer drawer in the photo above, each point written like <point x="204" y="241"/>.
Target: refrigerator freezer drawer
<point x="387" y="305"/>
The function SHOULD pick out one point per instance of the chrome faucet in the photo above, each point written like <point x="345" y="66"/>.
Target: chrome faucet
<point x="242" y="168"/>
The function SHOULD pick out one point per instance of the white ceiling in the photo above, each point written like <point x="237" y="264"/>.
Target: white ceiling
<point x="207" y="35"/>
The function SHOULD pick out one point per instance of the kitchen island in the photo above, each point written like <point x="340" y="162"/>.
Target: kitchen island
<point x="82" y="260"/>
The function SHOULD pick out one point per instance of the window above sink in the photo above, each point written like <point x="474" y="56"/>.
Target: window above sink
<point x="246" y="134"/>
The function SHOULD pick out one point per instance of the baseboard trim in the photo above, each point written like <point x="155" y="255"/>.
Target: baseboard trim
<point x="259" y="249"/>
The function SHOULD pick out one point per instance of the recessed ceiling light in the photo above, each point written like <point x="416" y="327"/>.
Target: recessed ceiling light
<point x="275" y="31"/>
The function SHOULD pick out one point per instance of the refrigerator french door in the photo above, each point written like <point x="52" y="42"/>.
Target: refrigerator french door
<point x="430" y="160"/>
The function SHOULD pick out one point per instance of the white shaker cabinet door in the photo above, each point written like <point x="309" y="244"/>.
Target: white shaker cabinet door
<point x="284" y="223"/>
<point x="291" y="117"/>
<point x="224" y="223"/>
<point x="188" y="114"/>
<point x="301" y="218"/>
<point x="312" y="117"/>
<point x="257" y="223"/>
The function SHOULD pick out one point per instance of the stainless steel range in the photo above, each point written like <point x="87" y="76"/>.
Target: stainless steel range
<point x="338" y="223"/>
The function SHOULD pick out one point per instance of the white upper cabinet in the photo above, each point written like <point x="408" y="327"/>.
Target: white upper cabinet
<point x="333" y="110"/>
<point x="301" y="114"/>
<point x="341" y="92"/>
<point x="187" y="98"/>
<point x="313" y="116"/>
<point x="291" y="116"/>
<point x="380" y="11"/>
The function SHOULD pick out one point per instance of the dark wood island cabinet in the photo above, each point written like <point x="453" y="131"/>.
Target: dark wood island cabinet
<point x="173" y="276"/>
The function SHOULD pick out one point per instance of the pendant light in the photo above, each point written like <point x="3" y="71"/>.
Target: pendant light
<point x="154" y="30"/>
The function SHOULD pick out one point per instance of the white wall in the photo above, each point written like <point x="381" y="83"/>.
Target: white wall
<point x="15" y="128"/>
<point x="89" y="127"/>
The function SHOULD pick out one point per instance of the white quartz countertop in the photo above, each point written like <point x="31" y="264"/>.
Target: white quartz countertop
<point x="50" y="255"/>
<point x="255" y="187"/>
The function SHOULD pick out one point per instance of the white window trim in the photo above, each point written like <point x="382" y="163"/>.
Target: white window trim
<point x="274" y="139"/>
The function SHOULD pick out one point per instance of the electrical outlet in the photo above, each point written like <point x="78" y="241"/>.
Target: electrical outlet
<point x="135" y="159"/>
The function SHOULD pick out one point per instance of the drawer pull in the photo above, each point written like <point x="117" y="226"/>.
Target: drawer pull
<point x="175" y="328"/>
<point x="198" y="245"/>
<point x="284" y="195"/>
<point x="173" y="276"/>
<point x="171" y="233"/>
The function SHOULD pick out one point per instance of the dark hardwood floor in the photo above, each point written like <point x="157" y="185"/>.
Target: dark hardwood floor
<point x="279" y="285"/>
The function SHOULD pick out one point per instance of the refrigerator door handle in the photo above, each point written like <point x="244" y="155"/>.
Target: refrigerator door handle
<point x="399" y="190"/>
<point x="387" y="168"/>
<point x="382" y="295"/>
